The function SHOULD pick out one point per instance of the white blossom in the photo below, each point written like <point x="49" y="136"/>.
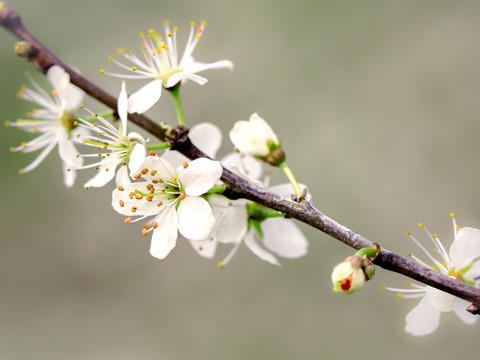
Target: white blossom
<point x="254" y="137"/>
<point x="121" y="150"/>
<point x="460" y="263"/>
<point x="54" y="122"/>
<point x="161" y="64"/>
<point x="173" y="197"/>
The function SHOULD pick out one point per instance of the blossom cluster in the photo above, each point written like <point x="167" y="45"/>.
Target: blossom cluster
<point x="172" y="196"/>
<point x="178" y="198"/>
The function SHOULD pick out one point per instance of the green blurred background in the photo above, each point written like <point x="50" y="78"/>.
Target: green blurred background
<point x="376" y="103"/>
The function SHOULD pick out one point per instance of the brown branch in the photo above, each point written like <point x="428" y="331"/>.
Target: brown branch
<point x="240" y="188"/>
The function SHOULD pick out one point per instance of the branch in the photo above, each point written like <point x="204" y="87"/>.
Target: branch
<point x="305" y="212"/>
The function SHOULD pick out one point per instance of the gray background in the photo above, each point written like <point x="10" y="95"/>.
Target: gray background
<point x="376" y="103"/>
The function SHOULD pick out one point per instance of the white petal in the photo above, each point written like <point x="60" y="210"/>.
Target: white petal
<point x="199" y="176"/>
<point x="465" y="248"/>
<point x="439" y="299"/>
<point x="102" y="176"/>
<point x="165" y="235"/>
<point x="174" y="157"/>
<point x="66" y="149"/>
<point x="243" y="165"/>
<point x="122" y="107"/>
<point x="245" y="139"/>
<point x="137" y="157"/>
<point x="69" y="176"/>
<point x="59" y="80"/>
<point x="460" y="310"/>
<point x="145" y="98"/>
<point x="122" y="177"/>
<point x="257" y="250"/>
<point x="205" y="248"/>
<point x="262" y="129"/>
<point x="195" y="66"/>
<point x="232" y="225"/>
<point x="207" y="137"/>
<point x="474" y="272"/>
<point x="284" y="238"/>
<point x="183" y="76"/>
<point x="423" y="319"/>
<point x="195" y="218"/>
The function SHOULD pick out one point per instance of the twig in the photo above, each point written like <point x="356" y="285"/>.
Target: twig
<point x="240" y="188"/>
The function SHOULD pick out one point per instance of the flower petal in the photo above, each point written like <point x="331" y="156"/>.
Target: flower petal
<point x="145" y="98"/>
<point x="205" y="248"/>
<point x="165" y="236"/>
<point x="245" y="139"/>
<point x="423" y="319"/>
<point x="195" y="218"/>
<point x="199" y="176"/>
<point x="122" y="108"/>
<point x="284" y="238"/>
<point x="257" y="250"/>
<point x="439" y="299"/>
<point x="207" y="137"/>
<point x="243" y="165"/>
<point x="465" y="248"/>
<point x="232" y="225"/>
<point x="460" y="310"/>
<point x="137" y="157"/>
<point x="104" y="174"/>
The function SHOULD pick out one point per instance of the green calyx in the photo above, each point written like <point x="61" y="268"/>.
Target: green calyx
<point x="257" y="214"/>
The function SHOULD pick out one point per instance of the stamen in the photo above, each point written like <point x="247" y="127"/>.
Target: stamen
<point x="127" y="220"/>
<point x="185" y="164"/>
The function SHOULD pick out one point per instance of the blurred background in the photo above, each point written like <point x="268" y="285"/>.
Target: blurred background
<point x="376" y="103"/>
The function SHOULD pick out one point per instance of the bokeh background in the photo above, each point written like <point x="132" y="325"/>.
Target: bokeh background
<point x="376" y="103"/>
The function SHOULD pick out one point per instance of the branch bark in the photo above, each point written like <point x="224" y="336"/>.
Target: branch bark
<point x="240" y="188"/>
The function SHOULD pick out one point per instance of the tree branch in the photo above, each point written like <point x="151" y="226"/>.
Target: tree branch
<point x="305" y="212"/>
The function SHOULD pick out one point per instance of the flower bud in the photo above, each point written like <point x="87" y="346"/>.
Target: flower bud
<point x="256" y="138"/>
<point x="348" y="276"/>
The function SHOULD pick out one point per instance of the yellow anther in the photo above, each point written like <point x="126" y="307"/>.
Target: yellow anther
<point x="110" y="58"/>
<point x="185" y="164"/>
<point x="382" y="287"/>
<point x="7" y="123"/>
<point x="12" y="149"/>
<point x="154" y="225"/>
<point x="142" y="34"/>
<point x="444" y="263"/>
<point x="152" y="153"/>
<point x="153" y="172"/>
<point x="127" y="220"/>
<point x="203" y="23"/>
<point x="102" y="71"/>
<point x="54" y="93"/>
<point x="122" y="204"/>
<point x="434" y="267"/>
<point x="192" y="23"/>
<point x="166" y="22"/>
<point x="434" y="236"/>
<point x="175" y="28"/>
<point x="407" y="233"/>
<point x="220" y="265"/>
<point x="169" y="34"/>
<point x="134" y="68"/>
<point x="399" y="295"/>
<point x="452" y="215"/>
<point x="20" y="171"/>
<point x="420" y="225"/>
<point x="435" y="250"/>
<point x="182" y="196"/>
<point x="144" y="171"/>
<point x="120" y="188"/>
<point x="144" y="232"/>
<point x="134" y="209"/>
<point x="160" y="203"/>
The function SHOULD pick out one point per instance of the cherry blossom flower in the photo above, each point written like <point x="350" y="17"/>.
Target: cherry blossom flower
<point x="160" y="63"/>
<point x="122" y="150"/>
<point x="460" y="263"/>
<point x="256" y="138"/>
<point x="54" y="122"/>
<point x="173" y="197"/>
